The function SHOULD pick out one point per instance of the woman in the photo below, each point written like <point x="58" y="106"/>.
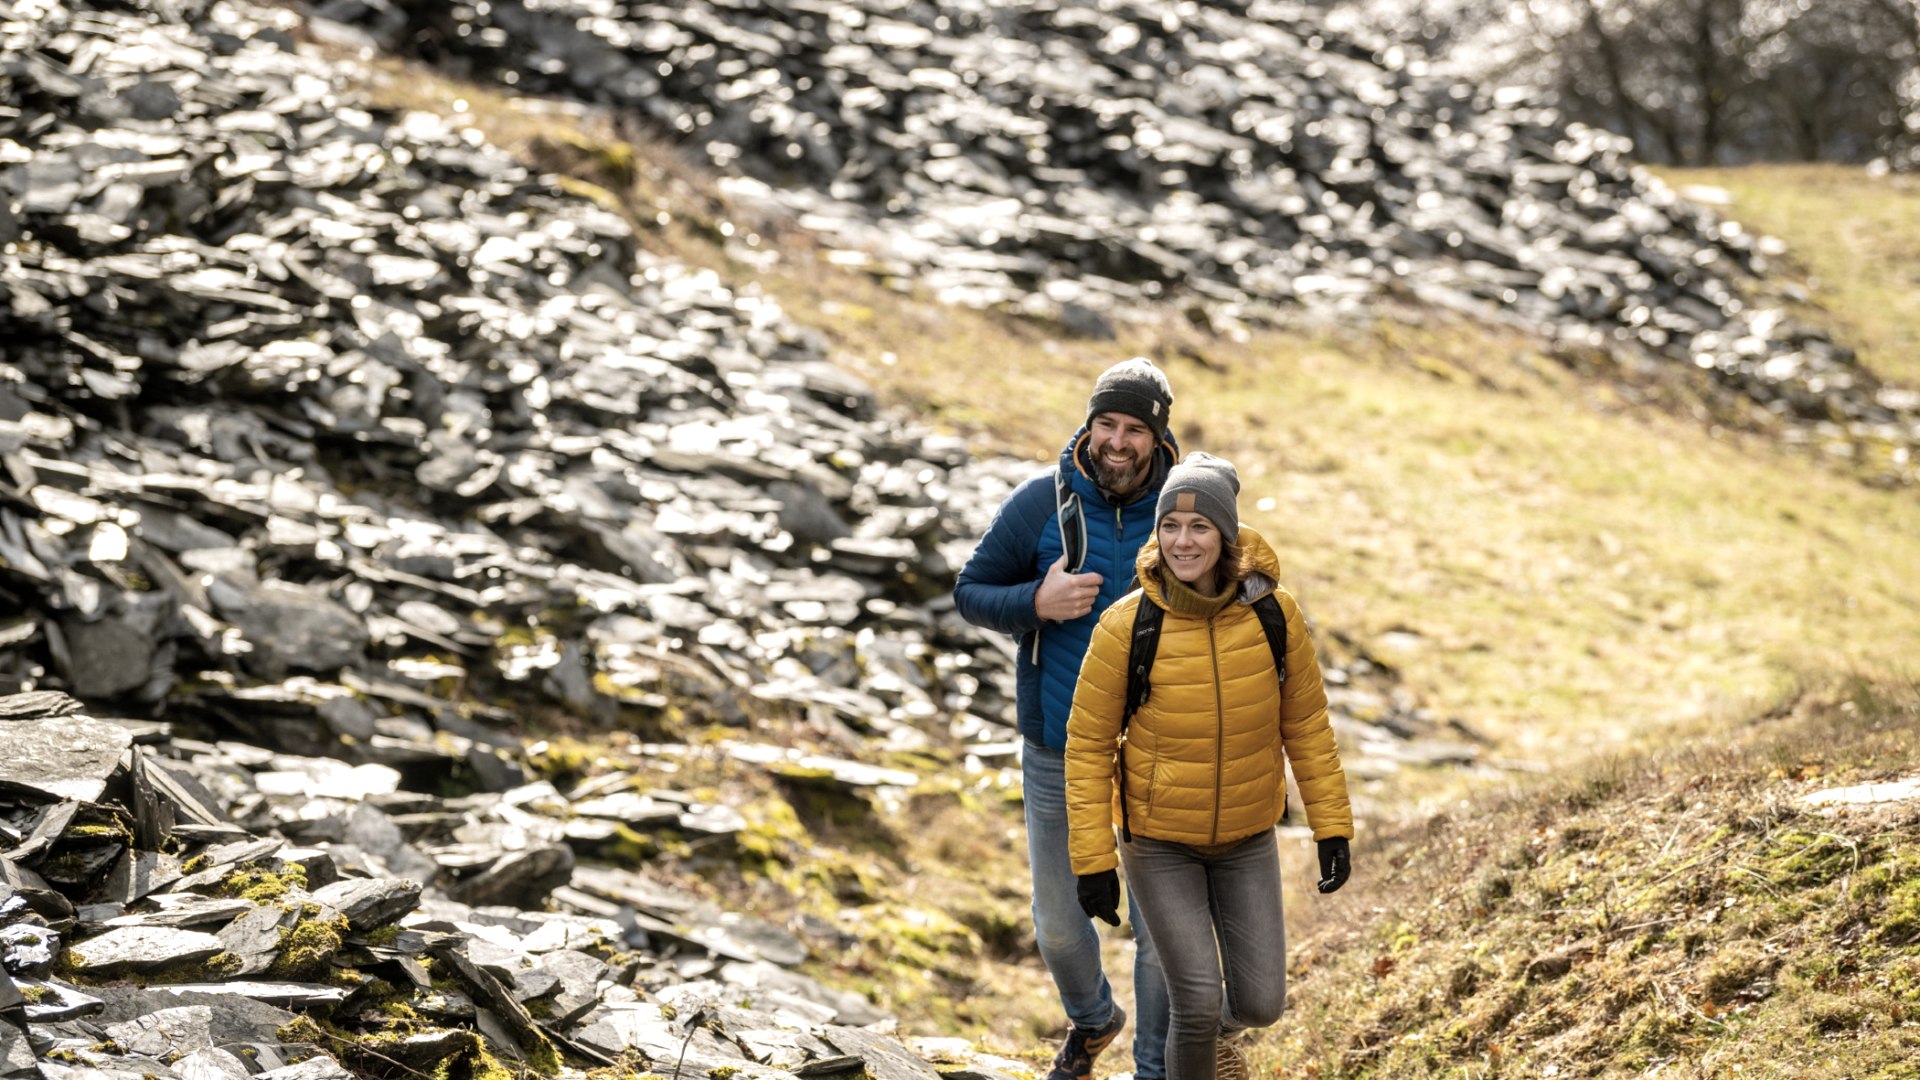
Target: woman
<point x="1199" y="766"/>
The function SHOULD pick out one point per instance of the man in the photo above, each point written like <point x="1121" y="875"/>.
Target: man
<point x="1056" y="555"/>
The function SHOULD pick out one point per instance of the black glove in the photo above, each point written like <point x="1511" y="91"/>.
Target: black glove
<point x="1336" y="862"/>
<point x="1100" y="896"/>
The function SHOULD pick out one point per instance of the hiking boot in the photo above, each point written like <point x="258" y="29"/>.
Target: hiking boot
<point x="1229" y="1061"/>
<point x="1075" y="1059"/>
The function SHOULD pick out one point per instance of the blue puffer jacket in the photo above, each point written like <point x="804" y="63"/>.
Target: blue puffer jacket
<point x="996" y="587"/>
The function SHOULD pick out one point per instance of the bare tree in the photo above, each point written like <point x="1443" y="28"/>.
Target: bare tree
<point x="1695" y="81"/>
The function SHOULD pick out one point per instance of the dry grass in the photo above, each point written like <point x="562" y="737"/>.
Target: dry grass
<point x="1676" y="914"/>
<point x="1854" y="240"/>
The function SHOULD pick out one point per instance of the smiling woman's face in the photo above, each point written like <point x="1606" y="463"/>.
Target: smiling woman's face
<point x="1191" y="547"/>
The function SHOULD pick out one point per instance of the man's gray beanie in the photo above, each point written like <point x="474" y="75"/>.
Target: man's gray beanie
<point x="1205" y="485"/>
<point x="1137" y="388"/>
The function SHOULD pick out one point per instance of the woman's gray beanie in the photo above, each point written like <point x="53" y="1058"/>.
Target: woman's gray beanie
<point x="1137" y="388"/>
<point x="1206" y="485"/>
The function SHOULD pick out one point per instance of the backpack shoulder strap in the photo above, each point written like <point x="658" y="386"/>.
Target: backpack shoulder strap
<point x="1274" y="622"/>
<point x="1073" y="520"/>
<point x="1141" y="648"/>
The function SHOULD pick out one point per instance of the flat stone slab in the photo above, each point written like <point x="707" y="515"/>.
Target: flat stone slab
<point x="36" y="705"/>
<point x="1864" y="796"/>
<point x="211" y="1063"/>
<point x="370" y="903"/>
<point x="166" y="1033"/>
<point x="68" y="757"/>
<point x="789" y="762"/>
<point x="141" y="948"/>
<point x="314" y="1068"/>
<point x="271" y="993"/>
<point x="885" y="1058"/>
<point x="58" y="1002"/>
<point x="645" y="1027"/>
<point x="185" y="909"/>
<point x="16" y="1051"/>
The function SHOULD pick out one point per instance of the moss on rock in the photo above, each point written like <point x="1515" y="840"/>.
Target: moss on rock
<point x="307" y="948"/>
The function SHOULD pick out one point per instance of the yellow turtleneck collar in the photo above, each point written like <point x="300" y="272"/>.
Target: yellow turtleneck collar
<point x="1182" y="599"/>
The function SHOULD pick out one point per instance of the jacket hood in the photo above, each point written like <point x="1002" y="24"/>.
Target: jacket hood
<point x="1264" y="578"/>
<point x="1165" y="454"/>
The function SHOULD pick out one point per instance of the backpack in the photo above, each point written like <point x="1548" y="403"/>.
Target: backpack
<point x="1147" y="618"/>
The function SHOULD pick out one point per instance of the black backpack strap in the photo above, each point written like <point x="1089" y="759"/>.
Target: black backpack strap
<point x="1073" y="520"/>
<point x="1274" y="621"/>
<point x="1141" y="649"/>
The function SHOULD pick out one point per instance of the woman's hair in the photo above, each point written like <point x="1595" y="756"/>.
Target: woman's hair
<point x="1232" y="569"/>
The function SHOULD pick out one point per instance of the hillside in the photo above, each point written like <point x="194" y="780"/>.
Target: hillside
<point x="1561" y="556"/>
<point x="598" y="510"/>
<point x="1719" y="908"/>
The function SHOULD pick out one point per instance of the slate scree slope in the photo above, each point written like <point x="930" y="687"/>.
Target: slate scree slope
<point x="1237" y="158"/>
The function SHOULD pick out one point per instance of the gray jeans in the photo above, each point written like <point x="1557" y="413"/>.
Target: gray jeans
<point x="1206" y="912"/>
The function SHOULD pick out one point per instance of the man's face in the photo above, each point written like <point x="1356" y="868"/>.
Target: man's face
<point x="1122" y="447"/>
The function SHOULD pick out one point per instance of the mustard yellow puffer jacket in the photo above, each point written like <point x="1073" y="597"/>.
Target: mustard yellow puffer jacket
<point x="1203" y="755"/>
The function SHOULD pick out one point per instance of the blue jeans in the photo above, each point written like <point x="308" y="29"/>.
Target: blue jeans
<point x="1068" y="942"/>
<point x="1206" y="909"/>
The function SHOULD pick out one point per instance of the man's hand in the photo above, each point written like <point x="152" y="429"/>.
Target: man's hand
<point x="1063" y="596"/>
<point x="1336" y="862"/>
<point x="1100" y="896"/>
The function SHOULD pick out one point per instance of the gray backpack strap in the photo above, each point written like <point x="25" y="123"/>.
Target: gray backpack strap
<point x="1073" y="521"/>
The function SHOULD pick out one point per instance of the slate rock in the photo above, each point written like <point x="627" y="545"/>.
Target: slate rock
<point x="28" y="949"/>
<point x="884" y="1058"/>
<point x="577" y="977"/>
<point x="232" y="1019"/>
<point x="211" y="1063"/>
<point x="58" y="1001"/>
<point x="68" y="758"/>
<point x="318" y="1067"/>
<point x="16" y="1051"/>
<point x="166" y="1032"/>
<point x="291" y="626"/>
<point x="369" y="903"/>
<point x="140" y="948"/>
<point x="254" y="939"/>
<point x="645" y="1028"/>
<point x="38" y="704"/>
<point x="519" y="878"/>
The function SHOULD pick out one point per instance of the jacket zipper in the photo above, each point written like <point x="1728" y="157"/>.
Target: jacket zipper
<point x="1219" y="732"/>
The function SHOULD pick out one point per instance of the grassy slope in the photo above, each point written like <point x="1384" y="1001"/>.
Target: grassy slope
<point x="1680" y="914"/>
<point x="1581" y="578"/>
<point x="1852" y="241"/>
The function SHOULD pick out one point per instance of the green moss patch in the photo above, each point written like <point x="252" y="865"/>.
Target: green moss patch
<point x="307" y="948"/>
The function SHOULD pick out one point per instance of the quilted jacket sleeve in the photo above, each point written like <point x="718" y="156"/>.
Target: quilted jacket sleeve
<point x="1093" y="739"/>
<point x="996" y="586"/>
<point x="1307" y="736"/>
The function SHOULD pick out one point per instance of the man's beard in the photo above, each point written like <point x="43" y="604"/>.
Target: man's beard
<point x="1118" y="479"/>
